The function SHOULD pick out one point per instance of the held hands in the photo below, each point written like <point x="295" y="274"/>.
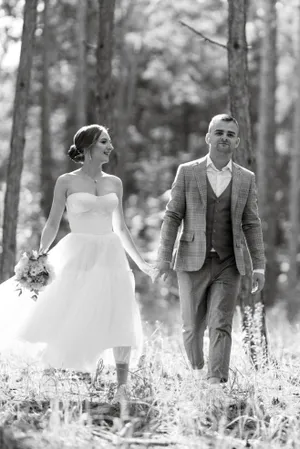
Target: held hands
<point x="164" y="270"/>
<point x="150" y="270"/>
<point x="258" y="282"/>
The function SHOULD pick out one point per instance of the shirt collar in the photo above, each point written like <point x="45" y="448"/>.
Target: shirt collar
<point x="209" y="162"/>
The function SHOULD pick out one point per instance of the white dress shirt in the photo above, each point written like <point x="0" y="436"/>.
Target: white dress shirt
<point x="219" y="180"/>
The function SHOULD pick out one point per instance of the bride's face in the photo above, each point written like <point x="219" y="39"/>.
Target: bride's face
<point x="102" y="148"/>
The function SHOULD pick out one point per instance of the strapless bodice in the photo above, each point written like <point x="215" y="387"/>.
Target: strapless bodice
<point x="91" y="214"/>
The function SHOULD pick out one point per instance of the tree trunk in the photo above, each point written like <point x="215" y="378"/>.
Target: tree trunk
<point x="81" y="88"/>
<point x="266" y="153"/>
<point x="78" y="104"/>
<point x="15" y="164"/>
<point x="129" y="58"/>
<point x="250" y="305"/>
<point x="294" y="182"/>
<point x="104" y="70"/>
<point x="238" y="79"/>
<point x="46" y="181"/>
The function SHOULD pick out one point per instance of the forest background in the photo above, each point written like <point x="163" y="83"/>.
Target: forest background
<point x="167" y="84"/>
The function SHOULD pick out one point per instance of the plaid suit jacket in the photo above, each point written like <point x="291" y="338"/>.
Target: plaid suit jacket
<point x="186" y="213"/>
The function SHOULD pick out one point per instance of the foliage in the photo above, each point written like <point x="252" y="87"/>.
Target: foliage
<point x="60" y="409"/>
<point x="181" y="81"/>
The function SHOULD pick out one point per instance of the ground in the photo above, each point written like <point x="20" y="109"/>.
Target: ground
<point x="170" y="407"/>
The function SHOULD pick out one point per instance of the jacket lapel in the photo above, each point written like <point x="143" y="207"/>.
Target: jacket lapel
<point x="236" y="184"/>
<point x="200" y="175"/>
<point x="201" y="178"/>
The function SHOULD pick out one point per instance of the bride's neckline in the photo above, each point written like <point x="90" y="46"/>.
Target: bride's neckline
<point x="92" y="194"/>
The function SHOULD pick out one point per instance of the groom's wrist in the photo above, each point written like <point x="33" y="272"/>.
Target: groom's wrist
<point x="164" y="263"/>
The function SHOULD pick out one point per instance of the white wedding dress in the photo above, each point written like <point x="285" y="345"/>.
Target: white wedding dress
<point x="90" y="305"/>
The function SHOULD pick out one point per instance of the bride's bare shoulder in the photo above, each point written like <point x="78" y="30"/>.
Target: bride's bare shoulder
<point x="114" y="182"/>
<point x="64" y="180"/>
<point x="112" y="178"/>
<point x="67" y="177"/>
<point x="71" y="174"/>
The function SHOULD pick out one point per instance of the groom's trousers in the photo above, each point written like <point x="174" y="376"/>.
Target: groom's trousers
<point x="208" y="298"/>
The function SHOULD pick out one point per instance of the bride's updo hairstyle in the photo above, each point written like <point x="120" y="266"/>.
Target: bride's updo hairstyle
<point x="85" y="138"/>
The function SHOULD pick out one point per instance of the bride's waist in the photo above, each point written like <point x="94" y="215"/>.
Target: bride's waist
<point x="92" y="232"/>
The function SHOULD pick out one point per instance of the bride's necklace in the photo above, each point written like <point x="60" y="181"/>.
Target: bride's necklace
<point x="93" y="179"/>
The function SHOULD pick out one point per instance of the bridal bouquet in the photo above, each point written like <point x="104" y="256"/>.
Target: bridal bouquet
<point x="33" y="272"/>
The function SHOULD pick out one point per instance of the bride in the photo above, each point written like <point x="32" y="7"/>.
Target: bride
<point x="90" y="306"/>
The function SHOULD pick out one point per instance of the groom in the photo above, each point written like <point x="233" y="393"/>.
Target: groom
<point x="215" y="201"/>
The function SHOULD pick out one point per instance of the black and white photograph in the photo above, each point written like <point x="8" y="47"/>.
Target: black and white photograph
<point x="149" y="224"/>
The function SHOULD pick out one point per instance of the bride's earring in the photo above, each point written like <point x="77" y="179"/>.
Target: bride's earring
<point x="90" y="156"/>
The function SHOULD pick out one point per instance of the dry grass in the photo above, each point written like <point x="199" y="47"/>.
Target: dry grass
<point x="257" y="409"/>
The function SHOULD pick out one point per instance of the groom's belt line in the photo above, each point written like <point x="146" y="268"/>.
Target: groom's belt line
<point x="212" y="254"/>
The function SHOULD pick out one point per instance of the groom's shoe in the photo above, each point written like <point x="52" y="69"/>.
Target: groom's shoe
<point x="214" y="382"/>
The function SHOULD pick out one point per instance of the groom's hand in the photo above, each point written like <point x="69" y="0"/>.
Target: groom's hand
<point x="164" y="270"/>
<point x="258" y="282"/>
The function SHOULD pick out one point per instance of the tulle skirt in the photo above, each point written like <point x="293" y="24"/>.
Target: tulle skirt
<point x="89" y="307"/>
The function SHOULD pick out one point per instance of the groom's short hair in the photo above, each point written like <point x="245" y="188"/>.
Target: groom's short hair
<point x="223" y="118"/>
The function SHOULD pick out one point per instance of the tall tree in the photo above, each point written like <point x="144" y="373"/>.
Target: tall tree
<point x="104" y="61"/>
<point x="46" y="172"/>
<point x="294" y="179"/>
<point x="266" y="153"/>
<point x="239" y="105"/>
<point x="78" y="102"/>
<point x="104" y="69"/>
<point x="238" y="78"/>
<point x="81" y="85"/>
<point x="15" y="164"/>
<point x="129" y="55"/>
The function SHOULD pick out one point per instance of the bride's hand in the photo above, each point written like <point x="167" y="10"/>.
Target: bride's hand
<point x="150" y="270"/>
<point x="42" y="252"/>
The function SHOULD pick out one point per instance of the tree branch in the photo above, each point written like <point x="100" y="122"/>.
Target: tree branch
<point x="206" y="39"/>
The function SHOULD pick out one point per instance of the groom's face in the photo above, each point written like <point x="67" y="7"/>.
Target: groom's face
<point x="222" y="138"/>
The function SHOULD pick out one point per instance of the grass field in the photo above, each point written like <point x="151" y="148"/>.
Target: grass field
<point x="256" y="409"/>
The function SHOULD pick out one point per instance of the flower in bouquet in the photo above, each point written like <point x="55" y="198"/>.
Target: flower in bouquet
<point x="33" y="272"/>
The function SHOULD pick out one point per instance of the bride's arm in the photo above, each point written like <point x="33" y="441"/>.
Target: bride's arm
<point x="120" y="228"/>
<point x="57" y="209"/>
